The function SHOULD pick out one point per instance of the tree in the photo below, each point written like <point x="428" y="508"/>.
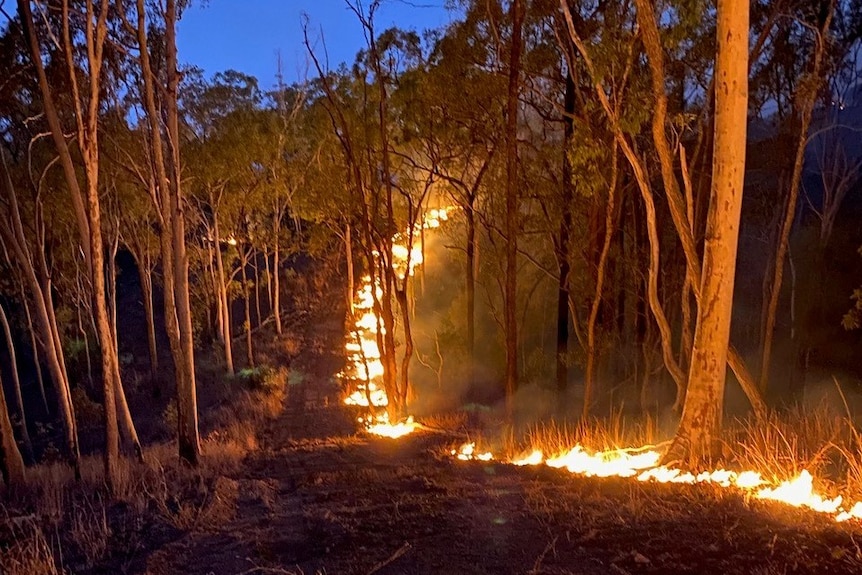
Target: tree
<point x="702" y="411"/>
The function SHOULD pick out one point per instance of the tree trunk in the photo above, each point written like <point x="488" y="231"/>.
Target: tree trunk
<point x="246" y="298"/>
<point x="223" y="302"/>
<point x="511" y="280"/>
<point x="276" y="285"/>
<point x="563" y="255"/>
<point x="701" y="417"/>
<point x="178" y="318"/>
<point x="16" y="382"/>
<point x="256" y="269"/>
<point x="11" y="462"/>
<point x="146" y="280"/>
<point x="471" y="293"/>
<point x="37" y="364"/>
<point x="806" y="100"/>
<point x="600" y="282"/>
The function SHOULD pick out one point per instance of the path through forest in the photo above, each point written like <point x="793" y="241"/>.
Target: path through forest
<point x="320" y="498"/>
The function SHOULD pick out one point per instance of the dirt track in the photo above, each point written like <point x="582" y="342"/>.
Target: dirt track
<point x="320" y="498"/>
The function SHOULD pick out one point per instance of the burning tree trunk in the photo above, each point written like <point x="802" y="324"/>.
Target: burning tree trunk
<point x="701" y="417"/>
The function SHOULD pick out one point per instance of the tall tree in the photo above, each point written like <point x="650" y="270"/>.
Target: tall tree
<point x="702" y="412"/>
<point x="516" y="15"/>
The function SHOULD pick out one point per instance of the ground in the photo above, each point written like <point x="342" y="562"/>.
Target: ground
<point x="320" y="497"/>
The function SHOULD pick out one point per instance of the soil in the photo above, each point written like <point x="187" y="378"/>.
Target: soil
<point x="321" y="497"/>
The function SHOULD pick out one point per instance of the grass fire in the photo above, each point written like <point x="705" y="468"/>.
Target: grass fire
<point x="456" y="286"/>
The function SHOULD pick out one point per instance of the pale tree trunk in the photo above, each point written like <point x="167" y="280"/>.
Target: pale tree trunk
<point x="16" y="382"/>
<point x="806" y="98"/>
<point x="172" y="228"/>
<point x="44" y="308"/>
<point x="511" y="280"/>
<point x="246" y="300"/>
<point x="256" y="268"/>
<point x="37" y="363"/>
<point x="702" y="413"/>
<point x="222" y="297"/>
<point x="11" y="462"/>
<point x="276" y="285"/>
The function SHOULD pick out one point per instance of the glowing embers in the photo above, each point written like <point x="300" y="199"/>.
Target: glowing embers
<point x="467" y="452"/>
<point x="643" y="465"/>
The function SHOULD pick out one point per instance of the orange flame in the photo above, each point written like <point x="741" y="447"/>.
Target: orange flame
<point x="643" y="465"/>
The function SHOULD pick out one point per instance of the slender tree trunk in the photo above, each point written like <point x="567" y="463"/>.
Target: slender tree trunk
<point x="16" y="382"/>
<point x="276" y="287"/>
<point x="224" y="304"/>
<point x="471" y="293"/>
<point x="11" y="462"/>
<point x="348" y="256"/>
<point x="146" y="280"/>
<point x="178" y="317"/>
<point x="806" y="101"/>
<point x="702" y="413"/>
<point x="256" y="269"/>
<point x="610" y="210"/>
<point x="246" y="298"/>
<point x="37" y="363"/>
<point x="564" y="256"/>
<point x="511" y="280"/>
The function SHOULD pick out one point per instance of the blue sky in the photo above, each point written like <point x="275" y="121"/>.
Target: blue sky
<point x="246" y="35"/>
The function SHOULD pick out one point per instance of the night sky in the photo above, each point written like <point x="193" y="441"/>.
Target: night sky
<point x="246" y="35"/>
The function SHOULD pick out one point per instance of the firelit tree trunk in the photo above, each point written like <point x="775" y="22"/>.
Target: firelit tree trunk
<point x="702" y="413"/>
<point x="806" y="97"/>
<point x="470" y="214"/>
<point x="564" y="255"/>
<point x="11" y="462"/>
<point x="276" y="273"/>
<point x="172" y="227"/>
<point x="511" y="280"/>
<point x="187" y="416"/>
<point x="16" y="383"/>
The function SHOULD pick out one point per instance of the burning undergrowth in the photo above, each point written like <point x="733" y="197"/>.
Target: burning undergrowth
<point x="805" y="460"/>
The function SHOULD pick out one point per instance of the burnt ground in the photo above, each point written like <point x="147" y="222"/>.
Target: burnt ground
<point x="320" y="498"/>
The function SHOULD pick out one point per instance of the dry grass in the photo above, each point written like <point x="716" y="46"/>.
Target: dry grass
<point x="60" y="525"/>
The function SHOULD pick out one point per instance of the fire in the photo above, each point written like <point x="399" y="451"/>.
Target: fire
<point x="365" y="369"/>
<point x="643" y="465"/>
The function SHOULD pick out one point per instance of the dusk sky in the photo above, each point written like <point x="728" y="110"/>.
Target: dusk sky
<point x="246" y="36"/>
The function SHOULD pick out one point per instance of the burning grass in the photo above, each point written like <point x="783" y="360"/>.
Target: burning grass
<point x="808" y="460"/>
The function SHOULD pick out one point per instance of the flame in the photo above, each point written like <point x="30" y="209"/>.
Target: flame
<point x="365" y="369"/>
<point x="642" y="464"/>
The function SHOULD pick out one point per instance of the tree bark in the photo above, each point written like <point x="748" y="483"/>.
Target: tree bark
<point x="16" y="383"/>
<point x="37" y="364"/>
<point x="702" y="413"/>
<point x="11" y="462"/>
<point x="807" y="99"/>
<point x="246" y="298"/>
<point x="564" y="255"/>
<point x="512" y="221"/>
<point x="223" y="301"/>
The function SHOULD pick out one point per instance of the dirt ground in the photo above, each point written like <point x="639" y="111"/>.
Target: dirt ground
<point x="321" y="498"/>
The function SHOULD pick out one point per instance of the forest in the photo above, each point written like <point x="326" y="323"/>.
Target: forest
<point x="562" y="286"/>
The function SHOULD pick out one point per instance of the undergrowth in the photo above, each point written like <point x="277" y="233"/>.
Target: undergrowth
<point x="57" y="525"/>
